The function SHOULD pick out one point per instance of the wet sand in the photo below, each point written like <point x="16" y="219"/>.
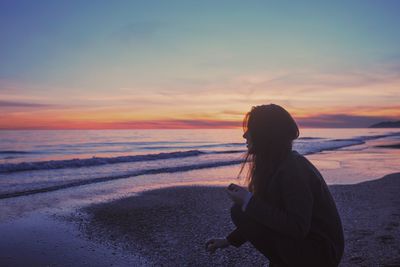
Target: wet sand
<point x="170" y="226"/>
<point x="354" y="164"/>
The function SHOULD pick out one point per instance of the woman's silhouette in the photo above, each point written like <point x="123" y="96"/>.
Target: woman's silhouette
<point x="287" y="213"/>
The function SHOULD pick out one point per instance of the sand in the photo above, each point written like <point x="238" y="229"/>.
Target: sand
<point x="169" y="226"/>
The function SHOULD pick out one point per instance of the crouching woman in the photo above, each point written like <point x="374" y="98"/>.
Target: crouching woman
<point x="287" y="212"/>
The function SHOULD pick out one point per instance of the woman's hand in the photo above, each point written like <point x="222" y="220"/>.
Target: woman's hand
<point x="237" y="193"/>
<point x="213" y="244"/>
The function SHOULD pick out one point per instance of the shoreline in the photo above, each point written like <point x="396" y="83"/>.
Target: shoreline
<point x="143" y="221"/>
<point x="172" y="224"/>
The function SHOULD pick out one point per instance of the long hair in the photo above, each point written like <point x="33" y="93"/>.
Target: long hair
<point x="272" y="131"/>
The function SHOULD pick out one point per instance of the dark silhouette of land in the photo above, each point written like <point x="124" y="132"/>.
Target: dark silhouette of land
<point x="386" y="124"/>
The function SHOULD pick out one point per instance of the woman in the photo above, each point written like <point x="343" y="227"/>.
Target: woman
<point x="287" y="213"/>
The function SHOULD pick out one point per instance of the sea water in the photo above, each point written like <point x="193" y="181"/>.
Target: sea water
<point x="38" y="161"/>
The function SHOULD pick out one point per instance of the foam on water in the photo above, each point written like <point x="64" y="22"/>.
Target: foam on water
<point x="24" y="178"/>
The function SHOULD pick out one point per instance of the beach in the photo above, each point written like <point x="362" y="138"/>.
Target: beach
<point x="169" y="226"/>
<point x="114" y="224"/>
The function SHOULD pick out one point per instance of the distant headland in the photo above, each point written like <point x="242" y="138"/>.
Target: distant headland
<point x="386" y="124"/>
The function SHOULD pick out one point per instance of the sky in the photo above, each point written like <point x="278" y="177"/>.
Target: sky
<point x="197" y="64"/>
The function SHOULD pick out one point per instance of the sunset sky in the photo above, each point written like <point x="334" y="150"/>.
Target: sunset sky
<point x="197" y="64"/>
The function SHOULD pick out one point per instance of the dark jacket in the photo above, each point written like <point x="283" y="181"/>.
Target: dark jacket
<point x="298" y="205"/>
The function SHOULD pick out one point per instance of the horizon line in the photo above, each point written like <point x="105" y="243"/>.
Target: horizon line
<point x="193" y="128"/>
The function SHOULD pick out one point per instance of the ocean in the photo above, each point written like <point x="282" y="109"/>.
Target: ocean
<point x="38" y="161"/>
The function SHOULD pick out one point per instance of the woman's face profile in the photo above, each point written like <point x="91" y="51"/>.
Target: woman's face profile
<point x="249" y="142"/>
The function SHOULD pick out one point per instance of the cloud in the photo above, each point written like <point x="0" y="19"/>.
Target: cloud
<point x="318" y="80"/>
<point x="132" y="124"/>
<point x="176" y="124"/>
<point x="12" y="104"/>
<point x="341" y="121"/>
